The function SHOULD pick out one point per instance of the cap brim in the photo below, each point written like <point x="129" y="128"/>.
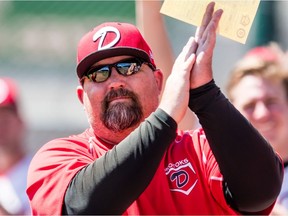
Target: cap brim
<point x="91" y="59"/>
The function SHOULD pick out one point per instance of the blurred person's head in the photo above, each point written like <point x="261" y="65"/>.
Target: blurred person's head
<point x="258" y="88"/>
<point x="11" y="124"/>
<point x="120" y="85"/>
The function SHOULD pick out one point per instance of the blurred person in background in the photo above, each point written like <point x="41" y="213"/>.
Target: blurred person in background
<point x="258" y="88"/>
<point x="151" y="23"/>
<point x="14" y="161"/>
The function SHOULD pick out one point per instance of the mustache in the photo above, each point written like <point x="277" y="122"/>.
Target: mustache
<point x="121" y="92"/>
<point x="120" y="116"/>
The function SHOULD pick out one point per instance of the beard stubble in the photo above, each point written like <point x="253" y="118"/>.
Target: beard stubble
<point x="121" y="115"/>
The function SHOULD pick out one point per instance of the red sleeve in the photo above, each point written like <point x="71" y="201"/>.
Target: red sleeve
<point x="51" y="171"/>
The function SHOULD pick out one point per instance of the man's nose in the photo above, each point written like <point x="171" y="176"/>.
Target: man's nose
<point x="116" y="80"/>
<point x="261" y="111"/>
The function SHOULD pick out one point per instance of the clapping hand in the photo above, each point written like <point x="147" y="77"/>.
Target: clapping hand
<point x="193" y="66"/>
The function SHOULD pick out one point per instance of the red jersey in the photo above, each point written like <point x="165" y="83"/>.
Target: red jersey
<point x="187" y="181"/>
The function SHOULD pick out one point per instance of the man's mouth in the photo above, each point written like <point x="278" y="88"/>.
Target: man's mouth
<point x="119" y="99"/>
<point x="265" y="128"/>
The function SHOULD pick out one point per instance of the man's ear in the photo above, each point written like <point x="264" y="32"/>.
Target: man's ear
<point x="159" y="78"/>
<point x="80" y="92"/>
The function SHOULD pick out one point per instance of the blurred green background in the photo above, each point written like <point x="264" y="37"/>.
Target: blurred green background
<point x="38" y="42"/>
<point x="41" y="33"/>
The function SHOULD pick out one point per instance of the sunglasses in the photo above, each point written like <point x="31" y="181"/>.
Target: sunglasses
<point x="127" y="67"/>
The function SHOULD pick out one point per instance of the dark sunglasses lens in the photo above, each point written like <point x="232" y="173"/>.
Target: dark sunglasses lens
<point x="99" y="75"/>
<point x="128" y="68"/>
<point x="125" y="68"/>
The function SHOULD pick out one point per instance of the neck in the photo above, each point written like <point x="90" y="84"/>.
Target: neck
<point x="107" y="141"/>
<point x="112" y="138"/>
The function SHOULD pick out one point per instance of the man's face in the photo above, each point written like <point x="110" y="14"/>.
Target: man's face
<point x="265" y="105"/>
<point x="120" y="102"/>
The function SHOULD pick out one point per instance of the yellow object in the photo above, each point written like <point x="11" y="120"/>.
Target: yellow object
<point x="236" y="20"/>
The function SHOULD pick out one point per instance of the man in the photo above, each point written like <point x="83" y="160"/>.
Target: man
<point x="14" y="161"/>
<point x="132" y="160"/>
<point x="258" y="87"/>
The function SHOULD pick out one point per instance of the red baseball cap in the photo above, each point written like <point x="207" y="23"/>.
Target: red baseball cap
<point x="8" y="93"/>
<point x="262" y="52"/>
<point x="108" y="40"/>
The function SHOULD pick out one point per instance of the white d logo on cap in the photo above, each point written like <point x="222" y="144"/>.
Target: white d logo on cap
<point x="102" y="34"/>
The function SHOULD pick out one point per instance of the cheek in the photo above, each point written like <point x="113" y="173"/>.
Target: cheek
<point x="248" y="114"/>
<point x="92" y="102"/>
<point x="149" y="98"/>
<point x="281" y="114"/>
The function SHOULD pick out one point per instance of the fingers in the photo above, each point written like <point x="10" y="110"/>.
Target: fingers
<point x="186" y="59"/>
<point x="205" y="21"/>
<point x="212" y="26"/>
<point x="190" y="48"/>
<point x="190" y="55"/>
<point x="201" y="72"/>
<point x="176" y="93"/>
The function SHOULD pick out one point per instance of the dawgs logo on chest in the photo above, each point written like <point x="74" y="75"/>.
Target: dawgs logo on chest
<point x="182" y="176"/>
